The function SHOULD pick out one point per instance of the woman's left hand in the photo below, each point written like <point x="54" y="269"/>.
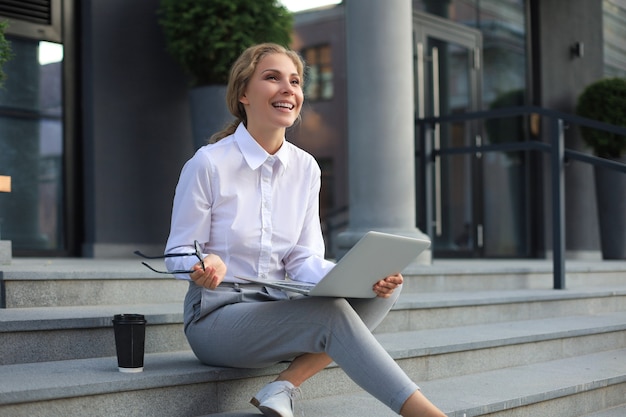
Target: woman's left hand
<point x="385" y="287"/>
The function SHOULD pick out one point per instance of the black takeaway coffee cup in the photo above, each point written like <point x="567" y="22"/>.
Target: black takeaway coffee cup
<point x="130" y="335"/>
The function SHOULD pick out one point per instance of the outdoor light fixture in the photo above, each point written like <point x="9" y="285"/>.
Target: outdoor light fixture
<point x="577" y="50"/>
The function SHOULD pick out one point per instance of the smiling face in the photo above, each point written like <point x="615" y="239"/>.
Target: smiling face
<point x="273" y="97"/>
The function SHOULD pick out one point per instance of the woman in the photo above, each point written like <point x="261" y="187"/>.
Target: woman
<point x="251" y="201"/>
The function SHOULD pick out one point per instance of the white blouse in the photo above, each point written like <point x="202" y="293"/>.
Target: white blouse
<point x="258" y="212"/>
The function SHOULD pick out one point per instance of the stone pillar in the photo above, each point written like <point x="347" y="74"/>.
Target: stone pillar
<point x="381" y="149"/>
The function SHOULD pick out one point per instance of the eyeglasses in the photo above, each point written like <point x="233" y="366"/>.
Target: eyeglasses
<point x="197" y="254"/>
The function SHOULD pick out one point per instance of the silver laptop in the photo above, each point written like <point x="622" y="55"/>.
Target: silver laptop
<point x="375" y="256"/>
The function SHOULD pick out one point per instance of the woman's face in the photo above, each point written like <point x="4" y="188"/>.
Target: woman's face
<point x="273" y="98"/>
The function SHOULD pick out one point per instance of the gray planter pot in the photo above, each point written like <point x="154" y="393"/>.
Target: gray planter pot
<point x="611" y="199"/>
<point x="208" y="112"/>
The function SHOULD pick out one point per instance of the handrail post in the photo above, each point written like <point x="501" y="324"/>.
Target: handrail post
<point x="558" y="202"/>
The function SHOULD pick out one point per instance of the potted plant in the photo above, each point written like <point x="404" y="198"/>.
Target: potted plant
<point x="605" y="101"/>
<point x="206" y="36"/>
<point x="5" y="51"/>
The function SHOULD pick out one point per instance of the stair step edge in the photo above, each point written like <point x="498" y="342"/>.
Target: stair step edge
<point x="48" y="318"/>
<point x="488" y="392"/>
<point x="44" y="380"/>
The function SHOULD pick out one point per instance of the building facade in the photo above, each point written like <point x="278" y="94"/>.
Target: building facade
<point x="95" y="125"/>
<point x="473" y="56"/>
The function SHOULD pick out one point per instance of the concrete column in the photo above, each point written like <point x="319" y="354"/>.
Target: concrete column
<point x="381" y="150"/>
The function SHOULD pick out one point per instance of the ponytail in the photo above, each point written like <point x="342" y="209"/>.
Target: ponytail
<point x="228" y="130"/>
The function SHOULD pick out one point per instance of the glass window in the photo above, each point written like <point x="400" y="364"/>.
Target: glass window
<point x="319" y="73"/>
<point x="503" y="27"/>
<point x="614" y="26"/>
<point x="31" y="146"/>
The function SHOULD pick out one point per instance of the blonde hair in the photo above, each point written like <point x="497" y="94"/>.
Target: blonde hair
<point x="240" y="74"/>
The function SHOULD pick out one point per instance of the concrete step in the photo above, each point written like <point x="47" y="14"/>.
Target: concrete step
<point x="60" y="333"/>
<point x="421" y="310"/>
<point x="508" y="274"/>
<point x="561" y="388"/>
<point x="175" y="384"/>
<point x="558" y="388"/>
<point x="479" y="335"/>
<point x="35" y="282"/>
<point x="426" y="355"/>
<point x="443" y="353"/>
<point x="619" y="411"/>
<point x="84" y="282"/>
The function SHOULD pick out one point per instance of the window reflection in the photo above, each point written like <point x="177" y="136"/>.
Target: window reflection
<point x="319" y="76"/>
<point x="31" y="146"/>
<point x="614" y="30"/>
<point x="503" y="26"/>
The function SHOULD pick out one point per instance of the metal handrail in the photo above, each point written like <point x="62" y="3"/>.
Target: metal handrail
<point x="558" y="157"/>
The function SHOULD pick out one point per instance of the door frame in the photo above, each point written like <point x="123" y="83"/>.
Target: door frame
<point x="427" y="26"/>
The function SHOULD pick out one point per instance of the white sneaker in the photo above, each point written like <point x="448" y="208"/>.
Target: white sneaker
<point x="276" y="399"/>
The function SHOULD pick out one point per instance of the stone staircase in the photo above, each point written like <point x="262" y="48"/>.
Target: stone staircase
<point x="480" y="337"/>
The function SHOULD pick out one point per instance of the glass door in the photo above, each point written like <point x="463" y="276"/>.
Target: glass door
<point x="448" y="81"/>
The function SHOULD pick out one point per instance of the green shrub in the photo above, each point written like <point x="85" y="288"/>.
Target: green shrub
<point x="5" y="51"/>
<point x="206" y="36"/>
<point x="604" y="101"/>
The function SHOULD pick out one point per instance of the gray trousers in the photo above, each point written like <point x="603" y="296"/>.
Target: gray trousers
<point x="250" y="326"/>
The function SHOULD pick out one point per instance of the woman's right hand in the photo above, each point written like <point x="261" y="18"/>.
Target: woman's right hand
<point x="213" y="274"/>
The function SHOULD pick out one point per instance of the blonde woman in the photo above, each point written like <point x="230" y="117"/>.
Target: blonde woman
<point x="250" y="201"/>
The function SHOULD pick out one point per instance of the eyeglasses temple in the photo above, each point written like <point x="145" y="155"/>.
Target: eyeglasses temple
<point x="167" y="255"/>
<point x="166" y="272"/>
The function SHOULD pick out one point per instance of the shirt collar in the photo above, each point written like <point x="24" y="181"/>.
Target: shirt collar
<point x="253" y="153"/>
